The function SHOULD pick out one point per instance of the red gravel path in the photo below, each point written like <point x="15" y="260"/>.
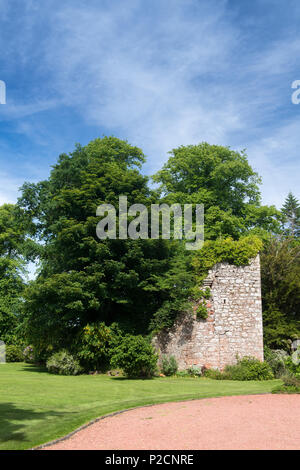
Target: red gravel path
<point x="240" y="422"/>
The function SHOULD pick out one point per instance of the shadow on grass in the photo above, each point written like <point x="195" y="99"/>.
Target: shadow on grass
<point x="132" y="378"/>
<point x="34" y="368"/>
<point x="13" y="419"/>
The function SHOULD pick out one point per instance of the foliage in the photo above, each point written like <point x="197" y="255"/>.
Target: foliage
<point x="292" y="367"/>
<point x="201" y="311"/>
<point x="247" y="368"/>
<point x="291" y="384"/>
<point x="136" y="356"/>
<point x="63" y="363"/>
<point x="84" y="280"/>
<point x="169" y="365"/>
<point x="213" y="374"/>
<point x="222" y="180"/>
<point x="291" y="213"/>
<point x="14" y="353"/>
<point x="194" y="371"/>
<point x="280" y="278"/>
<point x="29" y="354"/>
<point x="94" y="346"/>
<point x="276" y="360"/>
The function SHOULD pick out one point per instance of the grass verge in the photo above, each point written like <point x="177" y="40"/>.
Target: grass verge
<point x="36" y="407"/>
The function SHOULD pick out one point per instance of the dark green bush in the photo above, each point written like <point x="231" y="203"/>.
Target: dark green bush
<point x="248" y="368"/>
<point x="292" y="367"/>
<point x="136" y="356"/>
<point x="63" y="363"/>
<point x="14" y="353"/>
<point x="169" y="365"/>
<point x="94" y="346"/>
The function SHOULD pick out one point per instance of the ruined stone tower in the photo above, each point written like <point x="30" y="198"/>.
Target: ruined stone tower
<point x="233" y="326"/>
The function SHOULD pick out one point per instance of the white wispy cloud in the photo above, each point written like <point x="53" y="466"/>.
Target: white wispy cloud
<point x="164" y="75"/>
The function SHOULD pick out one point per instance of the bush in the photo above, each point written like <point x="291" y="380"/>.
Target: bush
<point x="194" y="371"/>
<point x="290" y="385"/>
<point x="169" y="365"/>
<point x="292" y="367"/>
<point x="248" y="368"/>
<point x="276" y="360"/>
<point x="29" y="355"/>
<point x="63" y="363"/>
<point x="94" y="346"/>
<point x="213" y="374"/>
<point x="14" y="353"/>
<point x="136" y="356"/>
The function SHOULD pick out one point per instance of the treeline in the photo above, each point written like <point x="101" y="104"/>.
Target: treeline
<point x="136" y="286"/>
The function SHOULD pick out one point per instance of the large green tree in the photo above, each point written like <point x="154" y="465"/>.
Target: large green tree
<point x="223" y="180"/>
<point x="82" y="279"/>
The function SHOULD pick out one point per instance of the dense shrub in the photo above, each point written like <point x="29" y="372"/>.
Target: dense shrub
<point x="14" y="353"/>
<point x="292" y="367"/>
<point x="63" y="363"/>
<point x="276" y="360"/>
<point x="94" y="346"/>
<point x="169" y="365"/>
<point x="248" y="368"/>
<point x="290" y="384"/>
<point x="136" y="356"/>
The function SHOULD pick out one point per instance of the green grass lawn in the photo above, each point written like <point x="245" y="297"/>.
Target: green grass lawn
<point x="36" y="407"/>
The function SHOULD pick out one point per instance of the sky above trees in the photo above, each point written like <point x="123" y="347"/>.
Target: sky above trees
<point x="160" y="73"/>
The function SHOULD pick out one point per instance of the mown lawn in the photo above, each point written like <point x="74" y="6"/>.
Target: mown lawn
<point x="36" y="407"/>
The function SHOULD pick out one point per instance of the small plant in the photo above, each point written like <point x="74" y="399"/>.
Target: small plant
<point x="182" y="373"/>
<point x="213" y="374"/>
<point x="169" y="365"/>
<point x="136" y="356"/>
<point x="63" y="363"/>
<point x="194" y="371"/>
<point x="201" y="312"/>
<point x="14" y="353"/>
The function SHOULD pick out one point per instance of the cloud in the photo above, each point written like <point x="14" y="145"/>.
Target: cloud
<point x="161" y="74"/>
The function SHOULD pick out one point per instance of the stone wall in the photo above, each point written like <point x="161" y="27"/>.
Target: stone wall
<point x="233" y="326"/>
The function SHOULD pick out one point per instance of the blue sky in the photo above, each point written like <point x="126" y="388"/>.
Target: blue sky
<point x="160" y="73"/>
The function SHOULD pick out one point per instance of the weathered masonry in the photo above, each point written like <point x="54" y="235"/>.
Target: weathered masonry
<point x="233" y="326"/>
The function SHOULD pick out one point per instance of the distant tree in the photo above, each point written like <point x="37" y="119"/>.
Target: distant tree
<point x="13" y="246"/>
<point x="291" y="212"/>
